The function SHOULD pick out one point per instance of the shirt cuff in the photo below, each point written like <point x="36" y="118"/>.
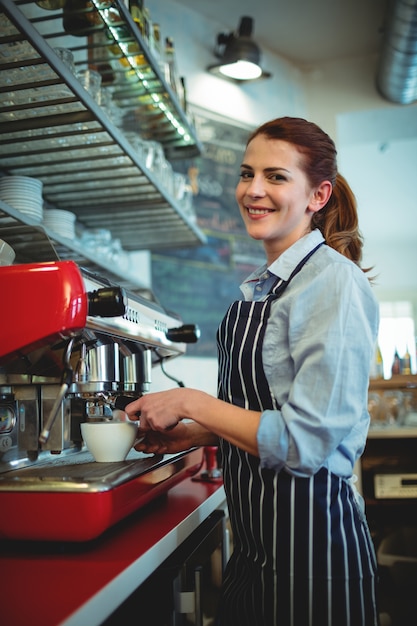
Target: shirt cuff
<point x="272" y="437"/>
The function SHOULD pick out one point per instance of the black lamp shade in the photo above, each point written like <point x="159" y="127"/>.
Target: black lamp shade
<point x="239" y="55"/>
<point x="241" y="49"/>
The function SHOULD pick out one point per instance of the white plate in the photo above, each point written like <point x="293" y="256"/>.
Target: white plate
<point x="29" y="211"/>
<point x="18" y="180"/>
<point x="33" y="206"/>
<point x="34" y="216"/>
<point x="15" y="193"/>
<point x="59" y="222"/>
<point x="20" y="186"/>
<point x="59" y="213"/>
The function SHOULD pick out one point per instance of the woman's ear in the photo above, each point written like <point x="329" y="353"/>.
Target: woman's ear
<point x="321" y="196"/>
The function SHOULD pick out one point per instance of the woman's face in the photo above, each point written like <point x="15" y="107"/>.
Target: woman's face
<point x="275" y="198"/>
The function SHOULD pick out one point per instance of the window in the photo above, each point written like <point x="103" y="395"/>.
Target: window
<point x="396" y="332"/>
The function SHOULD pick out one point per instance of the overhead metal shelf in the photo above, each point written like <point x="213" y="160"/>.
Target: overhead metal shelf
<point x="34" y="243"/>
<point x="114" y="45"/>
<point x="52" y="129"/>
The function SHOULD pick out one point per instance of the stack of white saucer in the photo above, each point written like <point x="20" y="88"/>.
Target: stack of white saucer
<point x="61" y="222"/>
<point x="24" y="194"/>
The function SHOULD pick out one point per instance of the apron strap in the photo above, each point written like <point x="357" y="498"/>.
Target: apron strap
<point x="280" y="286"/>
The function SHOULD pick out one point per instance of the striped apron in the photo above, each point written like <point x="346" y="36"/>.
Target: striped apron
<point x="302" y="553"/>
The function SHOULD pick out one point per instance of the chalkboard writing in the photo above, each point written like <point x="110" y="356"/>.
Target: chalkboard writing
<point x="199" y="283"/>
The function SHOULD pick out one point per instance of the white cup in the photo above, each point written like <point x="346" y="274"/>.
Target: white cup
<point x="109" y="441"/>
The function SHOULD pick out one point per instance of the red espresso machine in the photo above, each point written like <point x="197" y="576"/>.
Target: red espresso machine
<point x="73" y="347"/>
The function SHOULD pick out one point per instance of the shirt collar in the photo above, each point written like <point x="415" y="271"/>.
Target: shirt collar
<point x="289" y="259"/>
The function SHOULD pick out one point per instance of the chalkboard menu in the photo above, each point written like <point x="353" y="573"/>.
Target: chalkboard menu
<point x="199" y="283"/>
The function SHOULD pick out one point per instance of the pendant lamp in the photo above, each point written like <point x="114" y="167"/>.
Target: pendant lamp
<point x="239" y="56"/>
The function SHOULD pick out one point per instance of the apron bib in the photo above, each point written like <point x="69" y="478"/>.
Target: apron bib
<point x="302" y="552"/>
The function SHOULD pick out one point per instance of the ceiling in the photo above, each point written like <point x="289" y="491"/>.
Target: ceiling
<point x="304" y="32"/>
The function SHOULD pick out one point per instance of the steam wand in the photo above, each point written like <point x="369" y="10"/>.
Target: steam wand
<point x="66" y="380"/>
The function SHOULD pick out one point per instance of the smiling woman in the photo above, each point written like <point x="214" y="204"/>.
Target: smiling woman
<point x="291" y="416"/>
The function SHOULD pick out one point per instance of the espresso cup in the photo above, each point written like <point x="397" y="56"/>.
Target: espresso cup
<point x="109" y="441"/>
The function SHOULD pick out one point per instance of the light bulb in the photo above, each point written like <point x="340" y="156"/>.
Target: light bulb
<point x="241" y="70"/>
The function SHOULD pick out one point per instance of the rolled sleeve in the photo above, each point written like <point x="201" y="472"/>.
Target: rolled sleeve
<point x="316" y="355"/>
<point x="272" y="439"/>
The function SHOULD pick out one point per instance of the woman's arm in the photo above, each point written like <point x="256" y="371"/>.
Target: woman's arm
<point x="186" y="435"/>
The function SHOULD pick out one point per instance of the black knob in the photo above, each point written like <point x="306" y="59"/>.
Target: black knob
<point x="107" y="302"/>
<point x="189" y="333"/>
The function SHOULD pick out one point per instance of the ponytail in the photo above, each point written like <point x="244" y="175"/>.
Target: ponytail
<point x="338" y="221"/>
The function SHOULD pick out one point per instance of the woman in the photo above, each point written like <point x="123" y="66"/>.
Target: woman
<point x="291" y="414"/>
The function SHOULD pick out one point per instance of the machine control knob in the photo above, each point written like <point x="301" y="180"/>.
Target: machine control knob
<point x="189" y="333"/>
<point x="107" y="302"/>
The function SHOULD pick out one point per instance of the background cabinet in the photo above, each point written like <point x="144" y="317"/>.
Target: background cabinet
<point x="389" y="486"/>
<point x="389" y="462"/>
<point x="393" y="403"/>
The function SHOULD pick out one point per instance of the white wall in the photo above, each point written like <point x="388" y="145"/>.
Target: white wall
<point x="379" y="158"/>
<point x="376" y="141"/>
<point x="197" y="373"/>
<point x="338" y="87"/>
<point x="194" y="39"/>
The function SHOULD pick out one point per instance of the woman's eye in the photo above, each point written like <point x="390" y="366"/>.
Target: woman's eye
<point x="277" y="177"/>
<point x="245" y="175"/>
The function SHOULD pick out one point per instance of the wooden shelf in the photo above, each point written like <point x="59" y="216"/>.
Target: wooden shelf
<point x="401" y="381"/>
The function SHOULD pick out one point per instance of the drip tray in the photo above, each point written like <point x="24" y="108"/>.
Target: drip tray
<point x="79" y="472"/>
<point x="77" y="499"/>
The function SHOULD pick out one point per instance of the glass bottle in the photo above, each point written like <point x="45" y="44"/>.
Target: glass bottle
<point x="147" y="26"/>
<point x="155" y="43"/>
<point x="396" y="364"/>
<point x="170" y="67"/>
<point x="169" y="55"/>
<point x="136" y="11"/>
<point x="406" y="362"/>
<point x="379" y="364"/>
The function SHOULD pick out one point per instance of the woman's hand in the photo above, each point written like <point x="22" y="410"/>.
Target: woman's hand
<point x="160" y="411"/>
<point x="175" y="440"/>
<point x="161" y="430"/>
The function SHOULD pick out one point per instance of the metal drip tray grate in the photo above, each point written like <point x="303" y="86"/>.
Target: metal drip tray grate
<point x="80" y="473"/>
